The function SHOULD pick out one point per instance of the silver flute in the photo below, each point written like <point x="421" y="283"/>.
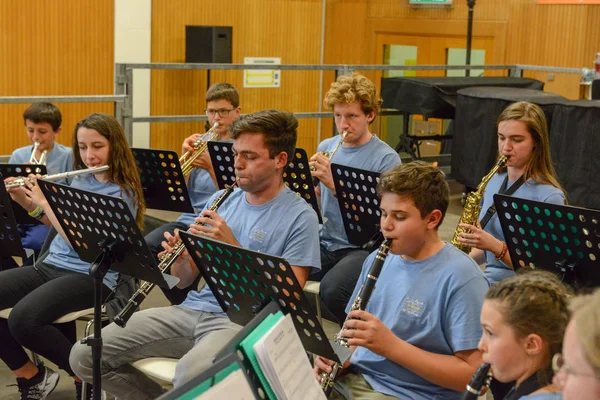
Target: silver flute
<point x="57" y="177"/>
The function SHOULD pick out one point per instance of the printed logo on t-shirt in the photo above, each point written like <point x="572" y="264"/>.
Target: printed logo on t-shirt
<point x="412" y="306"/>
<point x="258" y="235"/>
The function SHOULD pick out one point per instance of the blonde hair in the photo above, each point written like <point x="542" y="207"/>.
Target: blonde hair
<point x="535" y="302"/>
<point x="586" y="314"/>
<point x="350" y="88"/>
<point x="540" y="165"/>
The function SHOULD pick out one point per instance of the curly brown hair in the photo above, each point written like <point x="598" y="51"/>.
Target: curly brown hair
<point x="350" y="88"/>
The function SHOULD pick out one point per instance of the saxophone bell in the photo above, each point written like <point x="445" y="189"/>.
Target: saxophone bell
<point x="472" y="207"/>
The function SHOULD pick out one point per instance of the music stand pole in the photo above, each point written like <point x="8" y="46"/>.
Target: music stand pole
<point x="471" y="4"/>
<point x="98" y="270"/>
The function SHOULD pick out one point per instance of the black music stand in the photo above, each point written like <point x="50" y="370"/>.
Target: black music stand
<point x="356" y="191"/>
<point x="10" y="239"/>
<point x="562" y="239"/>
<point x="296" y="175"/>
<point x="163" y="182"/>
<point x="103" y="232"/>
<point x="221" y="156"/>
<point x="245" y="281"/>
<point x="209" y="378"/>
<point x="22" y="170"/>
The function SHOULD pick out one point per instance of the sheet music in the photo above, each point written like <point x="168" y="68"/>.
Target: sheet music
<point x="285" y="364"/>
<point x="234" y="387"/>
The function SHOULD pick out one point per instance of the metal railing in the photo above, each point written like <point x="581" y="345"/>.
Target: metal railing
<point x="124" y="90"/>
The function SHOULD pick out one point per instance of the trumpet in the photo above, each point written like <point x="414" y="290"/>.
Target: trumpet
<point x="187" y="159"/>
<point x="329" y="155"/>
<point x="43" y="157"/>
<point x="57" y="177"/>
<point x="165" y="263"/>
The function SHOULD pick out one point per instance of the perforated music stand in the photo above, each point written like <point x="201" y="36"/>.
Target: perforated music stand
<point x="356" y="191"/>
<point x="561" y="239"/>
<point x="163" y="182"/>
<point x="245" y="281"/>
<point x="22" y="170"/>
<point x="296" y="175"/>
<point x="103" y="232"/>
<point x="298" y="178"/>
<point x="10" y="239"/>
<point x="221" y="156"/>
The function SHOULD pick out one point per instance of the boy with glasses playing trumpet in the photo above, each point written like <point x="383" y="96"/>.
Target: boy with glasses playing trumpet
<point x="43" y="124"/>
<point x="222" y="108"/>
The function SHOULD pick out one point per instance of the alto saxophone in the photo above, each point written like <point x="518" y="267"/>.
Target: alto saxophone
<point x="165" y="263"/>
<point x="43" y="157"/>
<point x="470" y="214"/>
<point x="360" y="303"/>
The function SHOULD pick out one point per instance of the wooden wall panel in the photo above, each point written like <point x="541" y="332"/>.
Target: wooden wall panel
<point x="522" y="32"/>
<point x="290" y="29"/>
<point x="59" y="47"/>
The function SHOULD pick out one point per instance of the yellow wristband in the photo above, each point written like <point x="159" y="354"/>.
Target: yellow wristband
<point x="36" y="212"/>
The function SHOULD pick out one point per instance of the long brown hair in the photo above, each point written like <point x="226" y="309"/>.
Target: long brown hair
<point x="123" y="170"/>
<point x="540" y="165"/>
<point x="535" y="302"/>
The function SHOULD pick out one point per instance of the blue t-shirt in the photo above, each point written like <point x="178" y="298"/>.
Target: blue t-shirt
<point x="286" y="226"/>
<point x="496" y="270"/>
<point x="62" y="255"/>
<point x="60" y="159"/>
<point x="433" y="304"/>
<point x="543" y="396"/>
<point x="375" y="155"/>
<point x="200" y="187"/>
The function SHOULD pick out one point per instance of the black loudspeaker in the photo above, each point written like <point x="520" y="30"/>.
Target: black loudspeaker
<point x="207" y="44"/>
<point x="596" y="89"/>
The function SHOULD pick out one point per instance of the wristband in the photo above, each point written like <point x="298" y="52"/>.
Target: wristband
<point x="36" y="212"/>
<point x="500" y="256"/>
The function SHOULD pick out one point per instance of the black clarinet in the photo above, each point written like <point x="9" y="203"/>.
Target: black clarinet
<point x="360" y="303"/>
<point x="481" y="379"/>
<point x="165" y="263"/>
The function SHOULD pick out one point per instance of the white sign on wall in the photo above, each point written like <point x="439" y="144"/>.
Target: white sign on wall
<point x="262" y="78"/>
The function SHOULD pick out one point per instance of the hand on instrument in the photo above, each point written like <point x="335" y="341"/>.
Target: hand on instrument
<point x="33" y="191"/>
<point x="366" y="330"/>
<point x="169" y="243"/>
<point x="19" y="195"/>
<point x="188" y="142"/>
<point x="322" y="365"/>
<point x="322" y="170"/>
<point x="479" y="239"/>
<point x="211" y="225"/>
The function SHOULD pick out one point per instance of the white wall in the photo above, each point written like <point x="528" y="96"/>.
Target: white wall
<point x="132" y="45"/>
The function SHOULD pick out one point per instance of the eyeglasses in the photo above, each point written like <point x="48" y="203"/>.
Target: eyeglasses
<point x="558" y="365"/>
<point x="223" y="112"/>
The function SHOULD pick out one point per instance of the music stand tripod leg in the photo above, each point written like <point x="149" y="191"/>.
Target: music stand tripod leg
<point x="98" y="271"/>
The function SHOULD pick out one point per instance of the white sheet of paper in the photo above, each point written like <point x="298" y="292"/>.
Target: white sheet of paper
<point x="233" y="387"/>
<point x="285" y="364"/>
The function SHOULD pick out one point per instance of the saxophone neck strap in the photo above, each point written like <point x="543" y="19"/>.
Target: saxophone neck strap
<point x="492" y="209"/>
